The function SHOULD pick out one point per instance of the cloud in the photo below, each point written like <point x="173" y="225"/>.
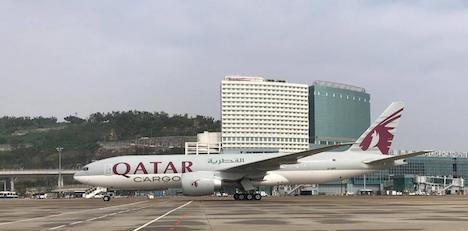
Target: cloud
<point x="87" y="56"/>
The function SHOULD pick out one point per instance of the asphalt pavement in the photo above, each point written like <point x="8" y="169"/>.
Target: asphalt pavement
<point x="211" y="213"/>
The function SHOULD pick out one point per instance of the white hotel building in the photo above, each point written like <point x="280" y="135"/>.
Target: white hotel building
<point x="260" y="114"/>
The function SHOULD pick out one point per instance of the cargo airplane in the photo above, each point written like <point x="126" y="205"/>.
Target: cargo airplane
<point x="200" y="175"/>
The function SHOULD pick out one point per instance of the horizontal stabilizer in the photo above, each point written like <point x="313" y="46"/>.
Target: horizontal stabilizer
<point x="395" y="157"/>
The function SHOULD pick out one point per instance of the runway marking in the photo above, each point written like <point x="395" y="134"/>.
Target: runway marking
<point x="100" y="217"/>
<point x="177" y="223"/>
<point x="92" y="219"/>
<point x="162" y="216"/>
<point x="67" y="213"/>
<point x="103" y="216"/>
<point x="57" y="227"/>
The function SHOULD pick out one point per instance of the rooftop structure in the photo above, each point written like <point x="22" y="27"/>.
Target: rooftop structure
<point x="207" y="143"/>
<point x="339" y="86"/>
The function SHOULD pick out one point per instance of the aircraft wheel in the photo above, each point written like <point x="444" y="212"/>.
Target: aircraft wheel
<point x="106" y="198"/>
<point x="257" y="196"/>
<point x="241" y="196"/>
<point x="236" y="196"/>
<point x="249" y="197"/>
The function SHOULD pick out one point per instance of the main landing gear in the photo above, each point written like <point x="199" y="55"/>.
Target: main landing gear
<point x="247" y="196"/>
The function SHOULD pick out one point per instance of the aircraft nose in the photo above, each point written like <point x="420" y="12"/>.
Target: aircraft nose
<point x="80" y="177"/>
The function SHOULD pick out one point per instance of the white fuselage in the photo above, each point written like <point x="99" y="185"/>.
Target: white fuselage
<point x="154" y="172"/>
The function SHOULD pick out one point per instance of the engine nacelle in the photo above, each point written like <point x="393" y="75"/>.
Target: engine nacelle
<point x="200" y="183"/>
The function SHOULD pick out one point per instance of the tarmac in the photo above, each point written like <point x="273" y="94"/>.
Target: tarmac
<point x="209" y="213"/>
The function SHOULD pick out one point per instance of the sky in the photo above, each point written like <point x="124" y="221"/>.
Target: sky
<point x="60" y="58"/>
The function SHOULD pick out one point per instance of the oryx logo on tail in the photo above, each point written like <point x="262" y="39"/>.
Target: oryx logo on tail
<point x="382" y="135"/>
<point x="379" y="136"/>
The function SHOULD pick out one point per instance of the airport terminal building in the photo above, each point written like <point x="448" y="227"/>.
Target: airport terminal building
<point x="438" y="173"/>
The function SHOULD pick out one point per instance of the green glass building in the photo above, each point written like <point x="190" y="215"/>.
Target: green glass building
<point x="337" y="113"/>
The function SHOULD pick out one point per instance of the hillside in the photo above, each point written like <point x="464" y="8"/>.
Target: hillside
<point x="31" y="142"/>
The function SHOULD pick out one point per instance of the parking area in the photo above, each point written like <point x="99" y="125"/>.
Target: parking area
<point x="210" y="213"/>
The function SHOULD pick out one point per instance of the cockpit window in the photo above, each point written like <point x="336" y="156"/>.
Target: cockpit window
<point x="85" y="169"/>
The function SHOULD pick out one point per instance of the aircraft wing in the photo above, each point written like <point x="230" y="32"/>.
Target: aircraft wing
<point x="391" y="159"/>
<point x="274" y="162"/>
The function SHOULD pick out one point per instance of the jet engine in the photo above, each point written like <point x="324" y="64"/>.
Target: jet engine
<point x="200" y="183"/>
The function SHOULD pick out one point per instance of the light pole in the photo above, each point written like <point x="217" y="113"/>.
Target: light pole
<point x="59" y="150"/>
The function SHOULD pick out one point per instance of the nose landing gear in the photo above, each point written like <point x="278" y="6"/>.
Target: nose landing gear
<point x="108" y="196"/>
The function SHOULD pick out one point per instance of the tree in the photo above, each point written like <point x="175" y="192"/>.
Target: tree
<point x="74" y="119"/>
